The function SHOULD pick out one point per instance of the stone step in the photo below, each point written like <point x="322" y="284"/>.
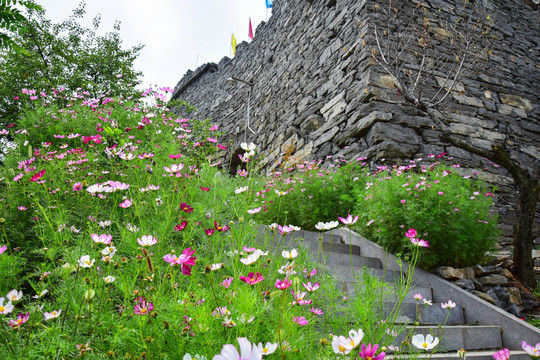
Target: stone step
<point x="343" y="273"/>
<point x="470" y="355"/>
<point x="453" y="338"/>
<point x="428" y="315"/>
<point x="390" y="293"/>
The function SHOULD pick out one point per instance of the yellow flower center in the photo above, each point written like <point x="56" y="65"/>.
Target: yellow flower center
<point x="424" y="345"/>
<point x="19" y="321"/>
<point x="87" y="262"/>
<point x="352" y="343"/>
<point x="369" y="358"/>
<point x="143" y="310"/>
<point x="341" y="348"/>
<point x="2" y="309"/>
<point x="53" y="312"/>
<point x="265" y="350"/>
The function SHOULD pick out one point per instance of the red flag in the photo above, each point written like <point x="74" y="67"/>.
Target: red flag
<point x="250" y="30"/>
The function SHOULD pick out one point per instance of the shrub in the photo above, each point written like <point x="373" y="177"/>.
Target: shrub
<point x="451" y="211"/>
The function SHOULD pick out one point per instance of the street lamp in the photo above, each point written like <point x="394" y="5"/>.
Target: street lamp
<point x="231" y="80"/>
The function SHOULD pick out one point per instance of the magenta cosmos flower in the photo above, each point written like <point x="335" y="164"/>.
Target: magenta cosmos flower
<point x="185" y="207"/>
<point x="247" y="351"/>
<point x="37" y="175"/>
<point x="349" y="220"/>
<point x="143" y="306"/>
<point x="503" y="354"/>
<point x="21" y="319"/>
<point x="3" y="249"/>
<point x="221" y="228"/>
<point x="185" y="259"/>
<point x="180" y="227"/>
<point x="369" y="352"/>
<point x="252" y="278"/>
<point x="282" y="285"/>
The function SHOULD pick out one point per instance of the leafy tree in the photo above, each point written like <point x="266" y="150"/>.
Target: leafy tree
<point x="13" y="21"/>
<point x="65" y="55"/>
<point x="427" y="57"/>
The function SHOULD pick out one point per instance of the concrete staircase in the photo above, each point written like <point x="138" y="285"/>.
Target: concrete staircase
<point x="474" y="325"/>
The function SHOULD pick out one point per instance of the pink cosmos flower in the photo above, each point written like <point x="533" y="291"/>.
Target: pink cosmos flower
<point x="449" y="305"/>
<point x="503" y="354"/>
<point x="311" y="287"/>
<point x="316" y="311"/>
<point x="254" y="211"/>
<point x="247" y="351"/>
<point x="3" y="248"/>
<point x="282" y="285"/>
<point x="349" y="220"/>
<point x="419" y="242"/>
<point x="143" y="306"/>
<point x="300" y="320"/>
<point x="77" y="186"/>
<point x="147" y="240"/>
<point x="227" y="282"/>
<point x="222" y="147"/>
<point x="21" y="319"/>
<point x="299" y="298"/>
<point x="532" y="351"/>
<point x="311" y="273"/>
<point x="221" y="228"/>
<point x="209" y="232"/>
<point x="174" y="168"/>
<point x="185" y="207"/>
<point x="186" y="260"/>
<point x="249" y="249"/>
<point x="37" y="175"/>
<point x="126" y="203"/>
<point x="52" y="315"/>
<point x="252" y="278"/>
<point x="204" y="188"/>
<point x="418" y="297"/>
<point x="102" y="239"/>
<point x="212" y="140"/>
<point x="180" y="227"/>
<point x="369" y="352"/>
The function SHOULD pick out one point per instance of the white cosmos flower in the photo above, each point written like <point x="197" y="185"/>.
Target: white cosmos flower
<point x="7" y="308"/>
<point x="267" y="349"/>
<point x="109" y="279"/>
<point x="85" y="261"/>
<point x="341" y="345"/>
<point x="14" y="295"/>
<point x="247" y="147"/>
<point x="289" y="254"/>
<point x="356" y="337"/>
<point x="426" y="343"/>
<point x="251" y="258"/>
<point x="241" y="190"/>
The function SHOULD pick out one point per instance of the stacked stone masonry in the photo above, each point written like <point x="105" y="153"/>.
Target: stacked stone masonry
<point x="316" y="92"/>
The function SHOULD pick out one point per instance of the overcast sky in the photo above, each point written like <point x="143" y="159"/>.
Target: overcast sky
<point x="174" y="32"/>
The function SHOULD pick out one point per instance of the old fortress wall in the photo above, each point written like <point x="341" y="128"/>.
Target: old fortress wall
<point x="317" y="92"/>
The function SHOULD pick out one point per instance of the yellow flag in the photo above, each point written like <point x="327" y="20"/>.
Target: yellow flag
<point x="233" y="43"/>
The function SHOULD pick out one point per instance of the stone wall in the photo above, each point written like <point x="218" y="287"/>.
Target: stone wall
<point x="316" y="92"/>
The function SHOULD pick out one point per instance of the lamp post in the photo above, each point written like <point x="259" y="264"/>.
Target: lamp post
<point x="231" y="80"/>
